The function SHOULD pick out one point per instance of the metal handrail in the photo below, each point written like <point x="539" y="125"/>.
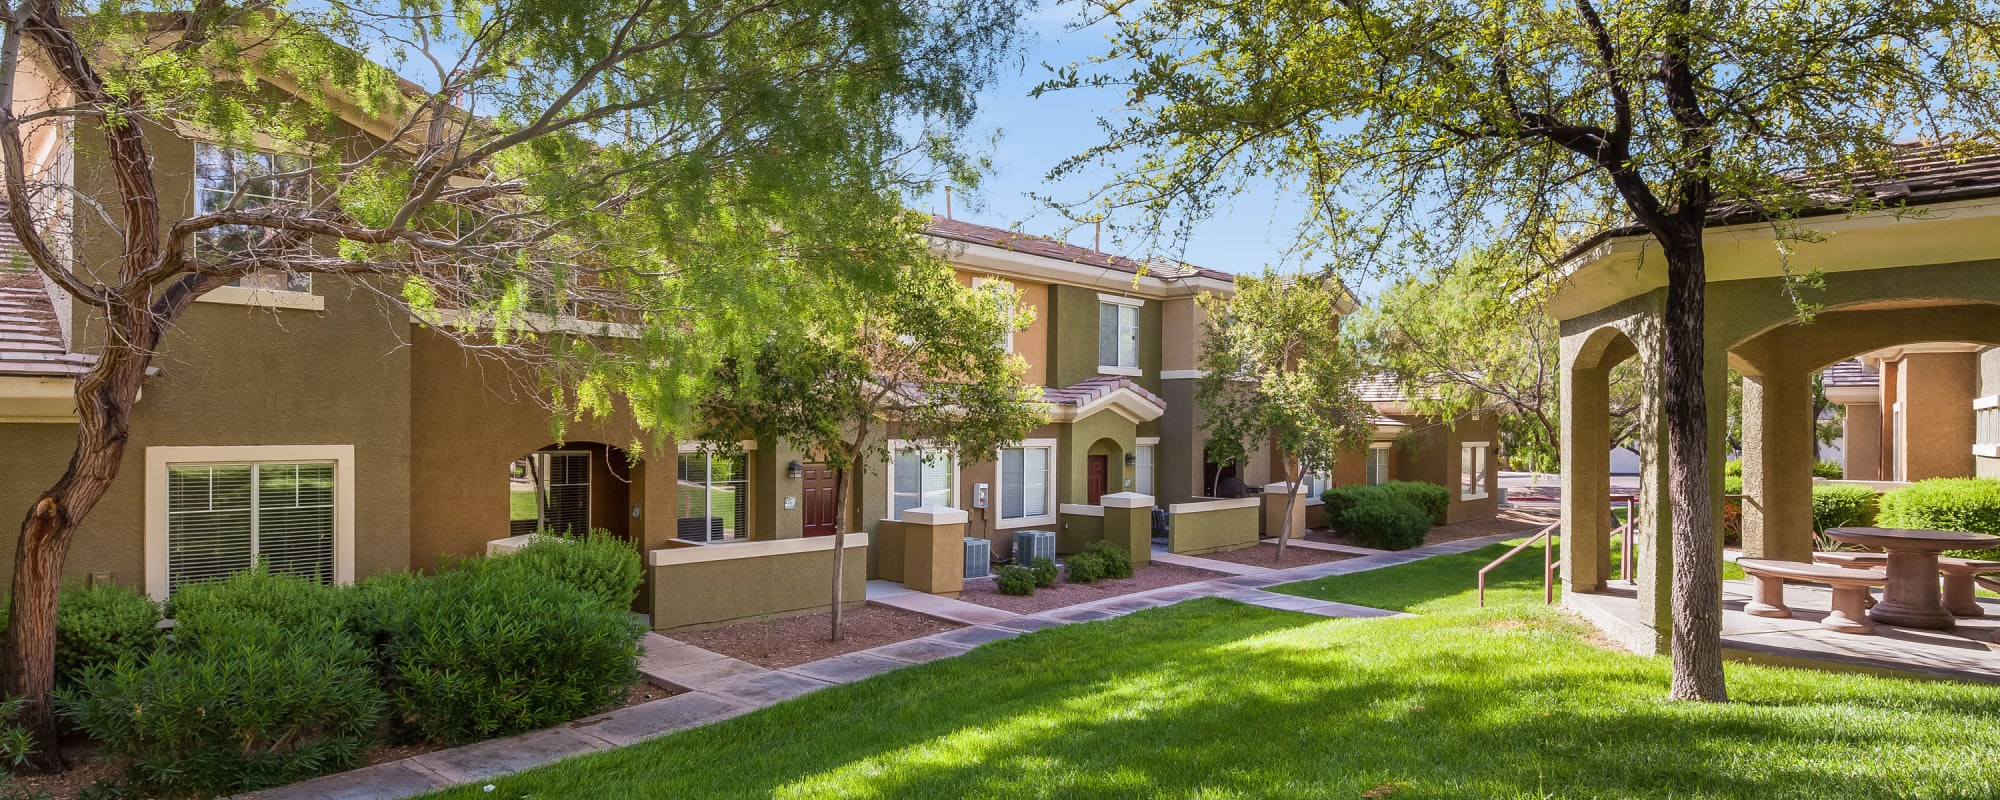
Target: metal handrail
<point x="1550" y="563"/>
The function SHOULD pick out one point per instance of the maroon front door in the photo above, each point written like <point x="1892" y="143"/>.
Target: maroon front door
<point x="819" y="501"/>
<point x="1094" y="479"/>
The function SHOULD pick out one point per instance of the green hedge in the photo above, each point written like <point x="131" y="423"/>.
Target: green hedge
<point x="1829" y="470"/>
<point x="602" y="565"/>
<point x="1383" y="520"/>
<point x="1429" y="498"/>
<point x="1946" y="504"/>
<point x="1842" y="506"/>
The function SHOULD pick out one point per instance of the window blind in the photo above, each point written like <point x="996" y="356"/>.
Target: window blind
<point x="221" y="518"/>
<point x="1142" y="469"/>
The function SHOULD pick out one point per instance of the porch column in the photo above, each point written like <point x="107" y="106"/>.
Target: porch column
<point x="1653" y="564"/>
<point x="1586" y="471"/>
<point x="1777" y="465"/>
<point x="934" y="550"/>
<point x="1128" y="524"/>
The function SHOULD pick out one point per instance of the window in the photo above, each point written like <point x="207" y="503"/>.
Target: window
<point x="1316" y="484"/>
<point x="557" y="489"/>
<point x="1986" y="419"/>
<point x="918" y="478"/>
<point x="215" y="511"/>
<point x="220" y="175"/>
<point x="1026" y="493"/>
<point x="1117" y="334"/>
<point x="1472" y="471"/>
<point x="714" y="497"/>
<point x="1378" y="464"/>
<point x="1012" y="312"/>
<point x="1142" y="468"/>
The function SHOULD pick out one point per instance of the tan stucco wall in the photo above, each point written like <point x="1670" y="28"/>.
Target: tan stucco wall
<point x="1937" y="391"/>
<point x="1861" y="444"/>
<point x="1213" y="531"/>
<point x="711" y="593"/>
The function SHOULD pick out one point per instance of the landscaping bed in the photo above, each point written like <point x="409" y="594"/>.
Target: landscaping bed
<point x="791" y="641"/>
<point x="1265" y="555"/>
<point x="986" y="592"/>
<point x="1509" y="521"/>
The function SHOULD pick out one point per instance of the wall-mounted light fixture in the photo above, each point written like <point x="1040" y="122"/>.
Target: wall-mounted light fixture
<point x="795" y="469"/>
<point x="1131" y="459"/>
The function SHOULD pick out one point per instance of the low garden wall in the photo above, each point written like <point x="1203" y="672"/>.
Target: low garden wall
<point x="724" y="583"/>
<point x="1207" y="526"/>
<point x="1081" y="525"/>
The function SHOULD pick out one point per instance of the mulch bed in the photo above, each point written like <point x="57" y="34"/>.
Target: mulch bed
<point x="1152" y="576"/>
<point x="1265" y="555"/>
<point x="791" y="641"/>
<point x="1513" y="520"/>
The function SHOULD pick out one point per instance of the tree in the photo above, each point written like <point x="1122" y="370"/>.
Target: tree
<point x="922" y="363"/>
<point x="1416" y="128"/>
<point x="1459" y="343"/>
<point x="618" y="160"/>
<point x="1274" y="371"/>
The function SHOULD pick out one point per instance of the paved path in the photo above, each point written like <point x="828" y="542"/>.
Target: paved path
<point x="718" y="687"/>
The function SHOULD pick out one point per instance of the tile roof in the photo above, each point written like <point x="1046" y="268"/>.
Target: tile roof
<point x="1089" y="390"/>
<point x="1049" y="247"/>
<point x="1380" y="389"/>
<point x="1849" y="373"/>
<point x="30" y="338"/>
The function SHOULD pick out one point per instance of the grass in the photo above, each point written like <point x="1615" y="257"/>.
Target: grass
<point x="1448" y="583"/>
<point x="521" y="505"/>
<point x="1215" y="700"/>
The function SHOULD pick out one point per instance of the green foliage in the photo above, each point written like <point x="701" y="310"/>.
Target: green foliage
<point x="1830" y="470"/>
<point x="1430" y="498"/>
<point x="245" y="705"/>
<point x="288" y="601"/>
<point x="1945" y="504"/>
<point x="15" y="742"/>
<point x="484" y="650"/>
<point x="1085" y="567"/>
<point x="98" y="625"/>
<point x="1117" y="562"/>
<point x="1019" y="581"/>
<point x="1045" y="570"/>
<point x="1385" y="521"/>
<point x="600" y="564"/>
<point x="1339" y="499"/>
<point x="1842" y="506"/>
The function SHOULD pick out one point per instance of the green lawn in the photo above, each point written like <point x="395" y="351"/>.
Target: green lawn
<point x="1212" y="699"/>
<point x="1444" y="583"/>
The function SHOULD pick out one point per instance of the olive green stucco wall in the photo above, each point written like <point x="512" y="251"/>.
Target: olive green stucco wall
<point x="1212" y="531"/>
<point x="1073" y="338"/>
<point x="710" y="593"/>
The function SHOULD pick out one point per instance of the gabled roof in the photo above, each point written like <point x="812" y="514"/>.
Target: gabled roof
<point x="1090" y="395"/>
<point x="1850" y="373"/>
<point x="1381" y="388"/>
<point x="31" y="342"/>
<point x="1048" y="247"/>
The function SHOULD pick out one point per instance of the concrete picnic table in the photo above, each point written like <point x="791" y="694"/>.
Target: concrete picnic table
<point x="1911" y="598"/>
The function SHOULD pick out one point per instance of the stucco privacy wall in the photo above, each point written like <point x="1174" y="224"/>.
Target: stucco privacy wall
<point x="706" y="586"/>
<point x="1212" y="525"/>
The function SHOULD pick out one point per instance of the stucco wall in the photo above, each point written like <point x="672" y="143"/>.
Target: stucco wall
<point x="1937" y="391"/>
<point x="710" y="593"/>
<point x="1989" y="385"/>
<point x="1213" y="530"/>
<point x="1073" y="337"/>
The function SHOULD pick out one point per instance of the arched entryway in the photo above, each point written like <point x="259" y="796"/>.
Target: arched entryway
<point x="570" y="489"/>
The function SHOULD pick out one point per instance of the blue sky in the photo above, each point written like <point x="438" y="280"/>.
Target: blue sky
<point x="1036" y="133"/>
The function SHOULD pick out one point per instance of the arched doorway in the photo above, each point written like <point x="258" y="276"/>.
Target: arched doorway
<point x="570" y="490"/>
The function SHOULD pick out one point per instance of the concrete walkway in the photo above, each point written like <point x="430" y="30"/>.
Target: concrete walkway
<point x="718" y="687"/>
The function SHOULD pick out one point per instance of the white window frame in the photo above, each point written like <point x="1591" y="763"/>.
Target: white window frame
<point x="1121" y="302"/>
<point x="898" y="447"/>
<point x="748" y="450"/>
<point x="1465" y="492"/>
<point x="298" y="298"/>
<point x="1000" y="487"/>
<point x="589" y="487"/>
<point x="159" y="458"/>
<point x="1148" y="466"/>
<point x="1986" y="426"/>
<point x="1314" y="484"/>
<point x="1006" y="340"/>
<point x="1368" y="475"/>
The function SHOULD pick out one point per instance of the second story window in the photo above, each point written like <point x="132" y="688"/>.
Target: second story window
<point x="221" y="174"/>
<point x="1117" y="334"/>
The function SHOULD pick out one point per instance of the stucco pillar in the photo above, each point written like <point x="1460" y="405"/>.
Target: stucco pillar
<point x="1777" y="465"/>
<point x="1275" y="498"/>
<point x="1128" y="524"/>
<point x="1653" y="564"/>
<point x="934" y="550"/>
<point x="1861" y="444"/>
<point x="1586" y="472"/>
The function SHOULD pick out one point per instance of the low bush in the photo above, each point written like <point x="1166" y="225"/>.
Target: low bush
<point x="1084" y="567"/>
<point x="1842" y="506"/>
<point x="485" y="650"/>
<point x="1019" y="581"/>
<point x="98" y="625"/>
<point x="1386" y="522"/>
<point x="1732" y="476"/>
<point x="1117" y="562"/>
<point x="1339" y="499"/>
<point x="602" y="565"/>
<point x="1945" y="504"/>
<point x="244" y="705"/>
<point x="1430" y="498"/>
<point x="256" y="593"/>
<point x="1045" y="571"/>
<point x="1830" y="470"/>
<point x="16" y="744"/>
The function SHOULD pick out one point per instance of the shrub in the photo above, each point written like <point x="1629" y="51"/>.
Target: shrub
<point x="1385" y="522"/>
<point x="1018" y="580"/>
<point x="1084" y="567"/>
<point x="1945" y="504"/>
<point x="1117" y="562"/>
<point x="256" y="593"/>
<point x="1732" y="476"/>
<point x="1430" y="498"/>
<point x="1341" y="498"/>
<point x="245" y="705"/>
<point x="485" y="651"/>
<point x="1830" y="470"/>
<point x="603" y="566"/>
<point x="1842" y="506"/>
<point x="98" y="625"/>
<point x="15" y="741"/>
<point x="1045" y="572"/>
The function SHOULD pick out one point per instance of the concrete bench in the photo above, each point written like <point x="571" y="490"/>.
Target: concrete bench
<point x="1960" y="592"/>
<point x="1850" y="590"/>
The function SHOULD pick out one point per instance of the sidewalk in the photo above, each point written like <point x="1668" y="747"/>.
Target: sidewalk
<point x="719" y="687"/>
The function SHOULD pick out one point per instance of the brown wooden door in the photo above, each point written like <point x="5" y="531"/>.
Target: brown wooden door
<point x="1095" y="477"/>
<point x="819" y="501"/>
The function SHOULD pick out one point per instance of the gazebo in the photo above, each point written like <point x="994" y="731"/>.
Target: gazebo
<point x="1925" y="269"/>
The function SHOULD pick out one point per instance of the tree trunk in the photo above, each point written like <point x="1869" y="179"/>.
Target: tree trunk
<point x="841" y="520"/>
<point x="1697" y="585"/>
<point x="1291" y="506"/>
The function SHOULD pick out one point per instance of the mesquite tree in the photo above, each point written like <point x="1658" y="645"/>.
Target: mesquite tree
<point x="1415" y="129"/>
<point x="664" y="166"/>
<point x="924" y="365"/>
<point x="1275" y="372"/>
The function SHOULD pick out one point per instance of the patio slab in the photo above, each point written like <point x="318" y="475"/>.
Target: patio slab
<point x="846" y="668"/>
<point x="512" y="754"/>
<point x="660" y="717"/>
